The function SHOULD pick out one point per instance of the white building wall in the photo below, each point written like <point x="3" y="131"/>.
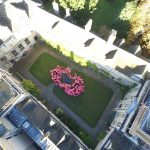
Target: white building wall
<point x="72" y="38"/>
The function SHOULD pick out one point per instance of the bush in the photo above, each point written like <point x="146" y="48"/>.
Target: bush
<point x="31" y="87"/>
<point x="124" y="89"/>
<point x="86" y="138"/>
<point x="60" y="48"/>
<point x="59" y="112"/>
<point x="101" y="135"/>
<point x="122" y="27"/>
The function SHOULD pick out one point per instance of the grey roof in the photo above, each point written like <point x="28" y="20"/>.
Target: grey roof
<point x="22" y="5"/>
<point x="68" y="144"/>
<point x="4" y="20"/>
<point x="2" y="129"/>
<point x="41" y="118"/>
<point x="5" y="93"/>
<point x="57" y="136"/>
<point x="111" y="54"/>
<point x="146" y="126"/>
<point x="35" y="113"/>
<point x="118" y="141"/>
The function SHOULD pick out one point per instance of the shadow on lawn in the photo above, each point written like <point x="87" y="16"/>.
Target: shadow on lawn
<point x="107" y="14"/>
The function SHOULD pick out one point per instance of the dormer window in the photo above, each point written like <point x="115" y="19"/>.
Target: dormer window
<point x="20" y="47"/>
<point x="27" y="41"/>
<point x="4" y="59"/>
<point x="14" y="53"/>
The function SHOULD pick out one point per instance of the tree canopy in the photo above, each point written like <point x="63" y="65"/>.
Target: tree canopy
<point x="31" y="87"/>
<point x="140" y="26"/>
<point x="78" y="4"/>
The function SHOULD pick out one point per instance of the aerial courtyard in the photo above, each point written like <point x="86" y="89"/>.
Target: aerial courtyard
<point x="91" y="109"/>
<point x="89" y="105"/>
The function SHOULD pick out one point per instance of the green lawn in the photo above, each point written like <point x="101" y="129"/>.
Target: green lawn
<point x="113" y="15"/>
<point x="110" y="13"/>
<point x="90" y="104"/>
<point x="47" y="5"/>
<point x="107" y="12"/>
<point x="42" y="66"/>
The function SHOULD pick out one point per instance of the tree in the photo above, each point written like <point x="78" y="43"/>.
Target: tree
<point x="92" y="5"/>
<point x="81" y="10"/>
<point x="140" y="26"/>
<point x="78" y="4"/>
<point x="31" y="87"/>
<point x="72" y="4"/>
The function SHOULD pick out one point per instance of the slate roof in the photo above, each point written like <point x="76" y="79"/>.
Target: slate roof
<point x="35" y="113"/>
<point x="118" y="141"/>
<point x="41" y="118"/>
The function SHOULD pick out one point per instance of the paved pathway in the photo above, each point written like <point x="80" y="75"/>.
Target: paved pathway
<point x="23" y="66"/>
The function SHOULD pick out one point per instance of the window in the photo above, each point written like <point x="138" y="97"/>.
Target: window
<point x="36" y="38"/>
<point x="27" y="41"/>
<point x="13" y="61"/>
<point x="4" y="58"/>
<point x="120" y="105"/>
<point x="119" y="124"/>
<point x="14" y="53"/>
<point x="123" y="115"/>
<point x="20" y="47"/>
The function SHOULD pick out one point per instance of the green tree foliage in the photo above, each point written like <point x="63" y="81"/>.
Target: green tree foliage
<point x="30" y="87"/>
<point x="121" y="23"/>
<point x="101" y="135"/>
<point x="73" y="4"/>
<point x="85" y="137"/>
<point x="78" y="4"/>
<point x="92" y="5"/>
<point x="140" y="26"/>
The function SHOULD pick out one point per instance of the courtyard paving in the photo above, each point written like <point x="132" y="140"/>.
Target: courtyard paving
<point x="22" y="67"/>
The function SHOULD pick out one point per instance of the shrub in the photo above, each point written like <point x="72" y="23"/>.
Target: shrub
<point x="101" y="135"/>
<point x="59" y="112"/>
<point x="31" y="87"/>
<point x="85" y="137"/>
<point x="60" y="48"/>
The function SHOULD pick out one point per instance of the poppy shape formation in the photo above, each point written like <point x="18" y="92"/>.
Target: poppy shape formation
<point x="73" y="85"/>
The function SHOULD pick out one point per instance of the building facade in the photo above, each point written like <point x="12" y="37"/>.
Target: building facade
<point x="17" y="35"/>
<point x="132" y="120"/>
